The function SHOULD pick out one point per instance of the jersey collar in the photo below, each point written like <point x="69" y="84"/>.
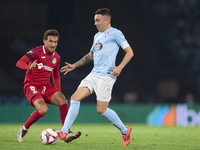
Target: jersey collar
<point x="45" y="51"/>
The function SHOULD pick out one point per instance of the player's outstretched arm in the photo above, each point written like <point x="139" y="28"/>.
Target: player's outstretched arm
<point x="83" y="61"/>
<point x="67" y="68"/>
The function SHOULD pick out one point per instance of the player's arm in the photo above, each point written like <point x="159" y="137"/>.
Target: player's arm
<point x="83" y="61"/>
<point x="56" y="78"/>
<point x="129" y="54"/>
<point x="23" y="63"/>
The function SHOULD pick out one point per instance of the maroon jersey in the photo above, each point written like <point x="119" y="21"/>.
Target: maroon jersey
<point x="47" y="64"/>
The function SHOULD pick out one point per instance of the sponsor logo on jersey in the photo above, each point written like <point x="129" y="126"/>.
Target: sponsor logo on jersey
<point x="43" y="57"/>
<point x="48" y="68"/>
<point x="54" y="60"/>
<point x="41" y="66"/>
<point x="98" y="46"/>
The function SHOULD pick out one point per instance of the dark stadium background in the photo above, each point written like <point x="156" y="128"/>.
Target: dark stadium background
<point x="164" y="34"/>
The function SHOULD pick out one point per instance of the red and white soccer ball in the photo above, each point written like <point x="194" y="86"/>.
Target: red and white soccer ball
<point x="48" y="136"/>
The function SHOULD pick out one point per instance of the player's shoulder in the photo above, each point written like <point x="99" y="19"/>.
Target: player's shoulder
<point x="115" y="31"/>
<point x="35" y="50"/>
<point x="95" y="36"/>
<point x="57" y="55"/>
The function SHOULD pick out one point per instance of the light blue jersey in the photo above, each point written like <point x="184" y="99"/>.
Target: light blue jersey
<point x="105" y="48"/>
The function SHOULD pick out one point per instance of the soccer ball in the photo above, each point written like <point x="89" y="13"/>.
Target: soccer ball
<point x="48" y="136"/>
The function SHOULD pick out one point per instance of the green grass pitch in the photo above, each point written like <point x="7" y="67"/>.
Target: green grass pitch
<point x="105" y="137"/>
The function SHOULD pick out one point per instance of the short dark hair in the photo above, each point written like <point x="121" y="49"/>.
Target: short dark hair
<point x="52" y="32"/>
<point x="103" y="11"/>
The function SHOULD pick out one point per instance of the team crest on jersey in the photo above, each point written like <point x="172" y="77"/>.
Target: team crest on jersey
<point x="54" y="60"/>
<point x="106" y="35"/>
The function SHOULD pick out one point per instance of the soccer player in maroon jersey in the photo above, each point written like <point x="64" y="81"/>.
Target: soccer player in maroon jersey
<point x="42" y="62"/>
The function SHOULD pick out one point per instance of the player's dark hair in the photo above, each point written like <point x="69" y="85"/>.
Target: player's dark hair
<point x="103" y="12"/>
<point x="52" y="32"/>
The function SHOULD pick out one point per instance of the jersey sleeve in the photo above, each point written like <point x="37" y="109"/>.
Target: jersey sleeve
<point x="120" y="39"/>
<point x="56" y="77"/>
<point x="23" y="63"/>
<point x="29" y="56"/>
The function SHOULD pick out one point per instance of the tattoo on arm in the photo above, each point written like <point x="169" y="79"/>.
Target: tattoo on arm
<point x="83" y="61"/>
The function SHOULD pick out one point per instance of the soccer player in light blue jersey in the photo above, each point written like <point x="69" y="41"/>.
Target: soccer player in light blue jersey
<point x="101" y="79"/>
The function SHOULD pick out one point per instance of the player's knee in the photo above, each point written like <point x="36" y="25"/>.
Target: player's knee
<point x="62" y="101"/>
<point x="100" y="110"/>
<point x="43" y="110"/>
<point x="58" y="99"/>
<point x="73" y="97"/>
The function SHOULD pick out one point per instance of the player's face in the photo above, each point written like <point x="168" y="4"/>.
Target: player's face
<point x="100" y="22"/>
<point x="51" y="43"/>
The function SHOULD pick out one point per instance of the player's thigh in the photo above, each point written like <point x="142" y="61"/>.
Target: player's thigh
<point x="81" y="93"/>
<point x="58" y="99"/>
<point x="48" y="92"/>
<point x="103" y="88"/>
<point x="32" y="94"/>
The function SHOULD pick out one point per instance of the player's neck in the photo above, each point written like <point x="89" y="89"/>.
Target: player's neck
<point x="106" y="28"/>
<point x="48" y="52"/>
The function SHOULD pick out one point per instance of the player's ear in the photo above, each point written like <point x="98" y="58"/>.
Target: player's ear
<point x="44" y="41"/>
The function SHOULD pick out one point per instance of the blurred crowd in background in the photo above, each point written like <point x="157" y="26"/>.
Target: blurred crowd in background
<point x="164" y="34"/>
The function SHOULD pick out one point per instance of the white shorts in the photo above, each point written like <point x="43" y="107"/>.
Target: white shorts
<point x="101" y="85"/>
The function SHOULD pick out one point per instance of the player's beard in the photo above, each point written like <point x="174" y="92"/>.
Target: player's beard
<point x="51" y="49"/>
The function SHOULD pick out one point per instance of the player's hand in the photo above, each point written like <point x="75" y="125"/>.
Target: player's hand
<point x="67" y="68"/>
<point x="116" y="71"/>
<point x="33" y="65"/>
